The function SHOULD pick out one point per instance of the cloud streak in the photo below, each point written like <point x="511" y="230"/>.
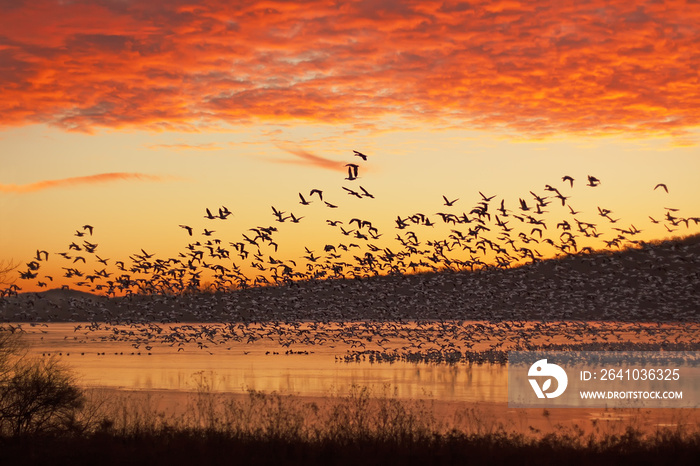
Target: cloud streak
<point x="100" y="178"/>
<point x="535" y="68"/>
<point x="182" y="146"/>
<point x="307" y="158"/>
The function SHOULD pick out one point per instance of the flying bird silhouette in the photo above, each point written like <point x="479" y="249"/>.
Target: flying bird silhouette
<point x="661" y="185"/>
<point x="593" y="181"/>
<point x="317" y="191"/>
<point x="360" y="154"/>
<point x="449" y="203"/>
<point x="352" y="171"/>
<point x="303" y="201"/>
<point x="353" y="193"/>
<point x="278" y="214"/>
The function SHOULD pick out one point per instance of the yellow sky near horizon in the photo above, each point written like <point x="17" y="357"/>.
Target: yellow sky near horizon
<point x="144" y="212"/>
<point x="138" y="125"/>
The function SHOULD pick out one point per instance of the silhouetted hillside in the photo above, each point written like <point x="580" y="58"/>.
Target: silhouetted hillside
<point x="653" y="282"/>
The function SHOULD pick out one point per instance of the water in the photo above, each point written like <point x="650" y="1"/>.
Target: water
<point x="308" y="359"/>
<point x="239" y="367"/>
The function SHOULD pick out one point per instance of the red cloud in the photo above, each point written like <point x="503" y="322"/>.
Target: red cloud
<point x="75" y="181"/>
<point x="531" y="67"/>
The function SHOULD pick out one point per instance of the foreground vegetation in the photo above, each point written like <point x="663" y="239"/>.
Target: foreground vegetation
<point x="192" y="446"/>
<point x="216" y="428"/>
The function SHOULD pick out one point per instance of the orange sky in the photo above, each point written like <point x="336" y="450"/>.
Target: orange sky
<point x="533" y="67"/>
<point x="129" y="114"/>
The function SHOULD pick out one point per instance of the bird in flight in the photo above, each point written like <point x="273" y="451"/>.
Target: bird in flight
<point x="593" y="181"/>
<point x="188" y="228"/>
<point x="352" y="171"/>
<point x="303" y="201"/>
<point x="331" y="206"/>
<point x="317" y="191"/>
<point x="360" y="154"/>
<point x="449" y="203"/>
<point x="661" y="185"/>
<point x="209" y="215"/>
<point x="353" y="193"/>
<point x="523" y="205"/>
<point x="569" y="179"/>
<point x="366" y="193"/>
<point x="278" y="214"/>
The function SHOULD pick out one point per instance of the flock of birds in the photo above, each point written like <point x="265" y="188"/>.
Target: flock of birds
<point x="426" y="341"/>
<point x="488" y="234"/>
<point x="489" y="266"/>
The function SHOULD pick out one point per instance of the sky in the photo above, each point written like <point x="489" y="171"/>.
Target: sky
<point x="135" y="117"/>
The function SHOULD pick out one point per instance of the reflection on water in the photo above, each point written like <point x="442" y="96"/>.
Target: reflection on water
<point x="309" y="359"/>
<point x="261" y="365"/>
<point x="315" y="375"/>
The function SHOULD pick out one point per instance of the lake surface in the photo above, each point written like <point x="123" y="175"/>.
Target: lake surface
<point x="309" y="359"/>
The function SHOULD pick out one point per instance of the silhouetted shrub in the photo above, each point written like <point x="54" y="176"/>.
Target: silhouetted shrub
<point x="36" y="396"/>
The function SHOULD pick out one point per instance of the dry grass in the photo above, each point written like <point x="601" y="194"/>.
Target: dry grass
<point x="360" y="427"/>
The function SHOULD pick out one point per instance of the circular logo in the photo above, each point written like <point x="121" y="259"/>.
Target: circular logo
<point x="545" y="372"/>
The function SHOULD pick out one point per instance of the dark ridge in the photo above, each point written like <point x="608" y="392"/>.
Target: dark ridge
<point x="654" y="282"/>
